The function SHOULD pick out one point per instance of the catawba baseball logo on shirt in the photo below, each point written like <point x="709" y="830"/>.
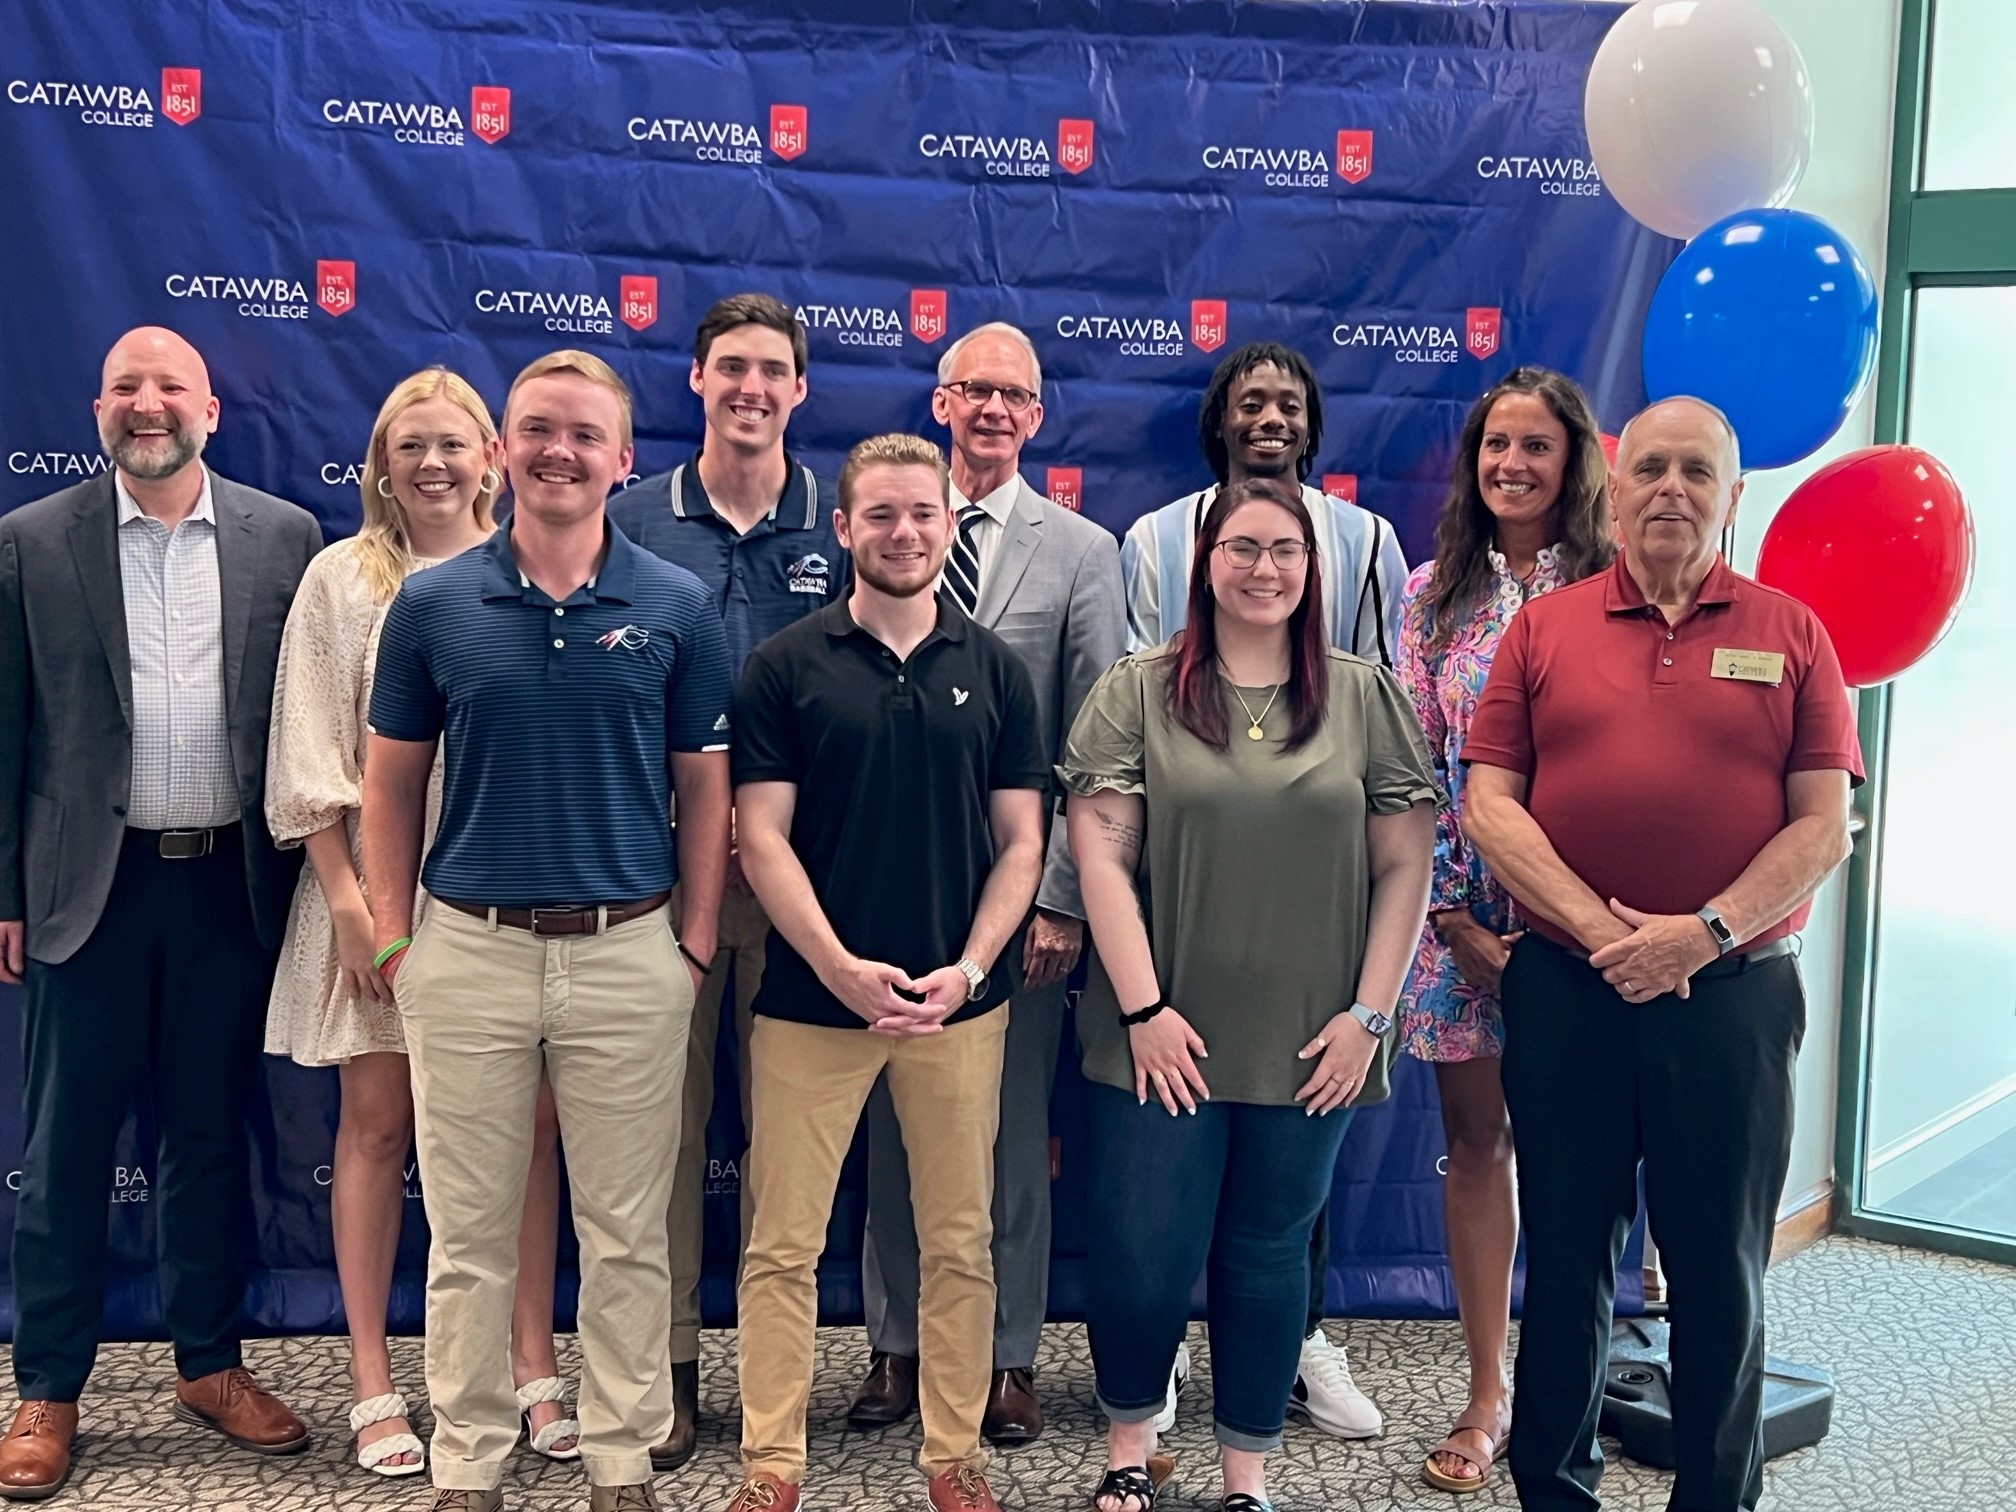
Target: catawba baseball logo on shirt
<point x="809" y="574"/>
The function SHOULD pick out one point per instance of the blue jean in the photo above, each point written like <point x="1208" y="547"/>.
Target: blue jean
<point x="1237" y="1184"/>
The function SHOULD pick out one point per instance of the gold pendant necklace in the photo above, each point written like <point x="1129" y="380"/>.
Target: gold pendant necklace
<point x="1253" y="730"/>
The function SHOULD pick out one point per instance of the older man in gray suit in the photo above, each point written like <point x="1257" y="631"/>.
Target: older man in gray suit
<point x="141" y="897"/>
<point x="1047" y="581"/>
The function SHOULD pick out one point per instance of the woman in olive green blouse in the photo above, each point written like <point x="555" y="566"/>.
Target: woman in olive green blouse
<point x="1252" y="815"/>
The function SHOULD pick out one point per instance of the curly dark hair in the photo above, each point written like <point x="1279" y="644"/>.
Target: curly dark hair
<point x="1464" y="531"/>
<point x="1218" y="396"/>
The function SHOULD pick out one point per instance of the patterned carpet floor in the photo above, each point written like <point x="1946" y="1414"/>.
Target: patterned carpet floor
<point x="1923" y="1348"/>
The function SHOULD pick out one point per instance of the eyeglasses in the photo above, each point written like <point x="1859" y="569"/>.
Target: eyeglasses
<point x="1243" y="552"/>
<point x="976" y="393"/>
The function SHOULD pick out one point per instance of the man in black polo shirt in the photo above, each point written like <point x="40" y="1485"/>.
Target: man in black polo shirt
<point x="889" y="778"/>
<point x="756" y="527"/>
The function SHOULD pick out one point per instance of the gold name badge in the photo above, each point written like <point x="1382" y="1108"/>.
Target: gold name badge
<point x="1748" y="666"/>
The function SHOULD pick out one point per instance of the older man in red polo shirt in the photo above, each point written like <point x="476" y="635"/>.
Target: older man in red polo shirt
<point x="1660" y="766"/>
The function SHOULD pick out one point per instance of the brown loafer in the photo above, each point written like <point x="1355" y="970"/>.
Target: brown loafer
<point x="962" y="1489"/>
<point x="1014" y="1416"/>
<point x="678" y="1449"/>
<point x="238" y="1407"/>
<point x="763" y="1492"/>
<point x="888" y="1395"/>
<point x="35" y="1454"/>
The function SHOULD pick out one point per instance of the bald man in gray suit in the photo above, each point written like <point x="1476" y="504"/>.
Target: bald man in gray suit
<point x="1047" y="581"/>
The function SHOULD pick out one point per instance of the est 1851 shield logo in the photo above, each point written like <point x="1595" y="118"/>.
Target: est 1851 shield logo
<point x="787" y="130"/>
<point x="490" y="111"/>
<point x="336" y="287"/>
<point x="1354" y="156"/>
<point x="1074" y="145"/>
<point x="927" y="314"/>
<point x="1480" y="331"/>
<point x="1343" y="486"/>
<point x="638" y="300"/>
<point x="182" y="94"/>
<point x="1207" y="324"/>
<point x="1066" y="487"/>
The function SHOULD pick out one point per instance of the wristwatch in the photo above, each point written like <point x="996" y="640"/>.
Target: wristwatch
<point x="1376" y="1023"/>
<point x="976" y="979"/>
<point x="1724" y="940"/>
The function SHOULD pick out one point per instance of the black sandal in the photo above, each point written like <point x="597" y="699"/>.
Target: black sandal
<point x="1239" y="1501"/>
<point x="1141" y="1482"/>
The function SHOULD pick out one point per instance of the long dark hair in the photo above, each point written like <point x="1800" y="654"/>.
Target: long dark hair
<point x="1196" y="697"/>
<point x="1218" y="397"/>
<point x="1465" y="530"/>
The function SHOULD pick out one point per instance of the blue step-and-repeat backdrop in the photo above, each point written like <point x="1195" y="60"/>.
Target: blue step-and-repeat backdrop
<point x="326" y="194"/>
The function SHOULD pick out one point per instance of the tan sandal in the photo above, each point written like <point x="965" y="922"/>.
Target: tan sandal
<point x="1471" y="1421"/>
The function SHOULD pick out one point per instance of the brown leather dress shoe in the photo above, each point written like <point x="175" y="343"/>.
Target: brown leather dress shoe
<point x="1014" y="1416"/>
<point x="888" y="1395"/>
<point x="764" y="1492"/>
<point x="962" y="1489"/>
<point x="35" y="1454"/>
<point x="678" y="1449"/>
<point x="234" y="1404"/>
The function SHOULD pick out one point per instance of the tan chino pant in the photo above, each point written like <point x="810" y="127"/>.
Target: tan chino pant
<point x="485" y="1008"/>
<point x="743" y="931"/>
<point x="809" y="1087"/>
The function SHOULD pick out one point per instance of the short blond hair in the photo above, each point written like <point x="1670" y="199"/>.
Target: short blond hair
<point x="581" y="365"/>
<point x="384" y="543"/>
<point x="896" y="449"/>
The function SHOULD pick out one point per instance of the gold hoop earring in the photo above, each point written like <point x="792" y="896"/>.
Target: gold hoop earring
<point x="384" y="488"/>
<point x="493" y="481"/>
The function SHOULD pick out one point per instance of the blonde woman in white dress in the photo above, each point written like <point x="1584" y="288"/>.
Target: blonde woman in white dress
<point x="430" y="480"/>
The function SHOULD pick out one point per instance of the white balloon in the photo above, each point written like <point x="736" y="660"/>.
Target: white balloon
<point x="1697" y="109"/>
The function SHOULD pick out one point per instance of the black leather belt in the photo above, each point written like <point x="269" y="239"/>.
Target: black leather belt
<point x="567" y="919"/>
<point x="185" y="844"/>
<point x="1729" y="965"/>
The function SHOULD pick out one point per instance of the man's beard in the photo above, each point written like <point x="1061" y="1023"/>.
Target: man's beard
<point x="874" y="578"/>
<point x="153" y="459"/>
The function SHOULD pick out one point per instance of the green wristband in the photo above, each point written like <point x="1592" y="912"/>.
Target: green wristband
<point x="390" y="951"/>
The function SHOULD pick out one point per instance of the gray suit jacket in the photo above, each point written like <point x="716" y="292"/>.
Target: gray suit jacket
<point x="66" y="699"/>
<point x="1054" y="594"/>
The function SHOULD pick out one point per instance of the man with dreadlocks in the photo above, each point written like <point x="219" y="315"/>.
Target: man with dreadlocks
<point x="1262" y="417"/>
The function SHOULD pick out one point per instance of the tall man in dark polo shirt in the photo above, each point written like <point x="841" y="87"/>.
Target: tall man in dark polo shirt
<point x="756" y="527"/>
<point x="141" y="898"/>
<point x="579" y="681"/>
<point x="1047" y="581"/>
<point x="1660" y="766"/>
<point x="889" y="782"/>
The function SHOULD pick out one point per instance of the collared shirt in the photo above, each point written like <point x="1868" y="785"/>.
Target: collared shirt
<point x="894" y="761"/>
<point x="559" y="718"/>
<point x="988" y="531"/>
<point x="183" y="777"/>
<point x="1656" y="775"/>
<point x="785" y="566"/>
<point x="1364" y="572"/>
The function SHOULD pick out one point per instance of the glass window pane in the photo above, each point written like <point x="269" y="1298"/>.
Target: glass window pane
<point x="1942" y="1093"/>
<point x="1970" y="140"/>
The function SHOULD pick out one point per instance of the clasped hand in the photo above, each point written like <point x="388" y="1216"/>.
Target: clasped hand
<point x="875" y="990"/>
<point x="1658" y="955"/>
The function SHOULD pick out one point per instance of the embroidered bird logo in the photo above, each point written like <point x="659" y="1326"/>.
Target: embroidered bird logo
<point x="629" y="637"/>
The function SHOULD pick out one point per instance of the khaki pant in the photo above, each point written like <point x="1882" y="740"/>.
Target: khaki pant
<point x="744" y="929"/>
<point x="809" y="1087"/>
<point x="485" y="1008"/>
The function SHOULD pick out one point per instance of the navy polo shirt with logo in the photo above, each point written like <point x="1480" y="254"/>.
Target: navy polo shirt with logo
<point x="559" y="720"/>
<point x="894" y="761"/>
<point x="784" y="567"/>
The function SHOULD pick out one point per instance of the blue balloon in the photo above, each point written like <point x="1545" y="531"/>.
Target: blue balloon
<point x="1771" y="316"/>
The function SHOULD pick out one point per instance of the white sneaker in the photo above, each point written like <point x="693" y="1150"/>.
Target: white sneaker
<point x="1325" y="1393"/>
<point x="1179" y="1377"/>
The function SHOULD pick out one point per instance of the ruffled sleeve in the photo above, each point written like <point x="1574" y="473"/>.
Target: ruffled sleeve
<point x="1103" y="752"/>
<point x="314" y="766"/>
<point x="1398" y="771"/>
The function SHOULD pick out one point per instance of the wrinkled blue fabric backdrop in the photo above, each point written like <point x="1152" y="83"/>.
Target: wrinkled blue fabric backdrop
<point x="326" y="194"/>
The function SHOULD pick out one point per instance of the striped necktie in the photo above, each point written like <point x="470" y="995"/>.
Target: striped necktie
<point x="962" y="562"/>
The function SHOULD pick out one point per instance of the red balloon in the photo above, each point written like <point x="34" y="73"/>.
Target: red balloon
<point x="1880" y="545"/>
<point x="1610" y="450"/>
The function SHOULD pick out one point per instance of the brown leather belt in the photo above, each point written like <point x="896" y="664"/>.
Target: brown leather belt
<point x="570" y="919"/>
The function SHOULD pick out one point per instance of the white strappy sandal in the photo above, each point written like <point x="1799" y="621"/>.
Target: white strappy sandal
<point x="372" y="1456"/>
<point x="549" y="1389"/>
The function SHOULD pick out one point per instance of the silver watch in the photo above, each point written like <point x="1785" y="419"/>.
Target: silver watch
<point x="976" y="979"/>
<point x="1376" y="1023"/>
